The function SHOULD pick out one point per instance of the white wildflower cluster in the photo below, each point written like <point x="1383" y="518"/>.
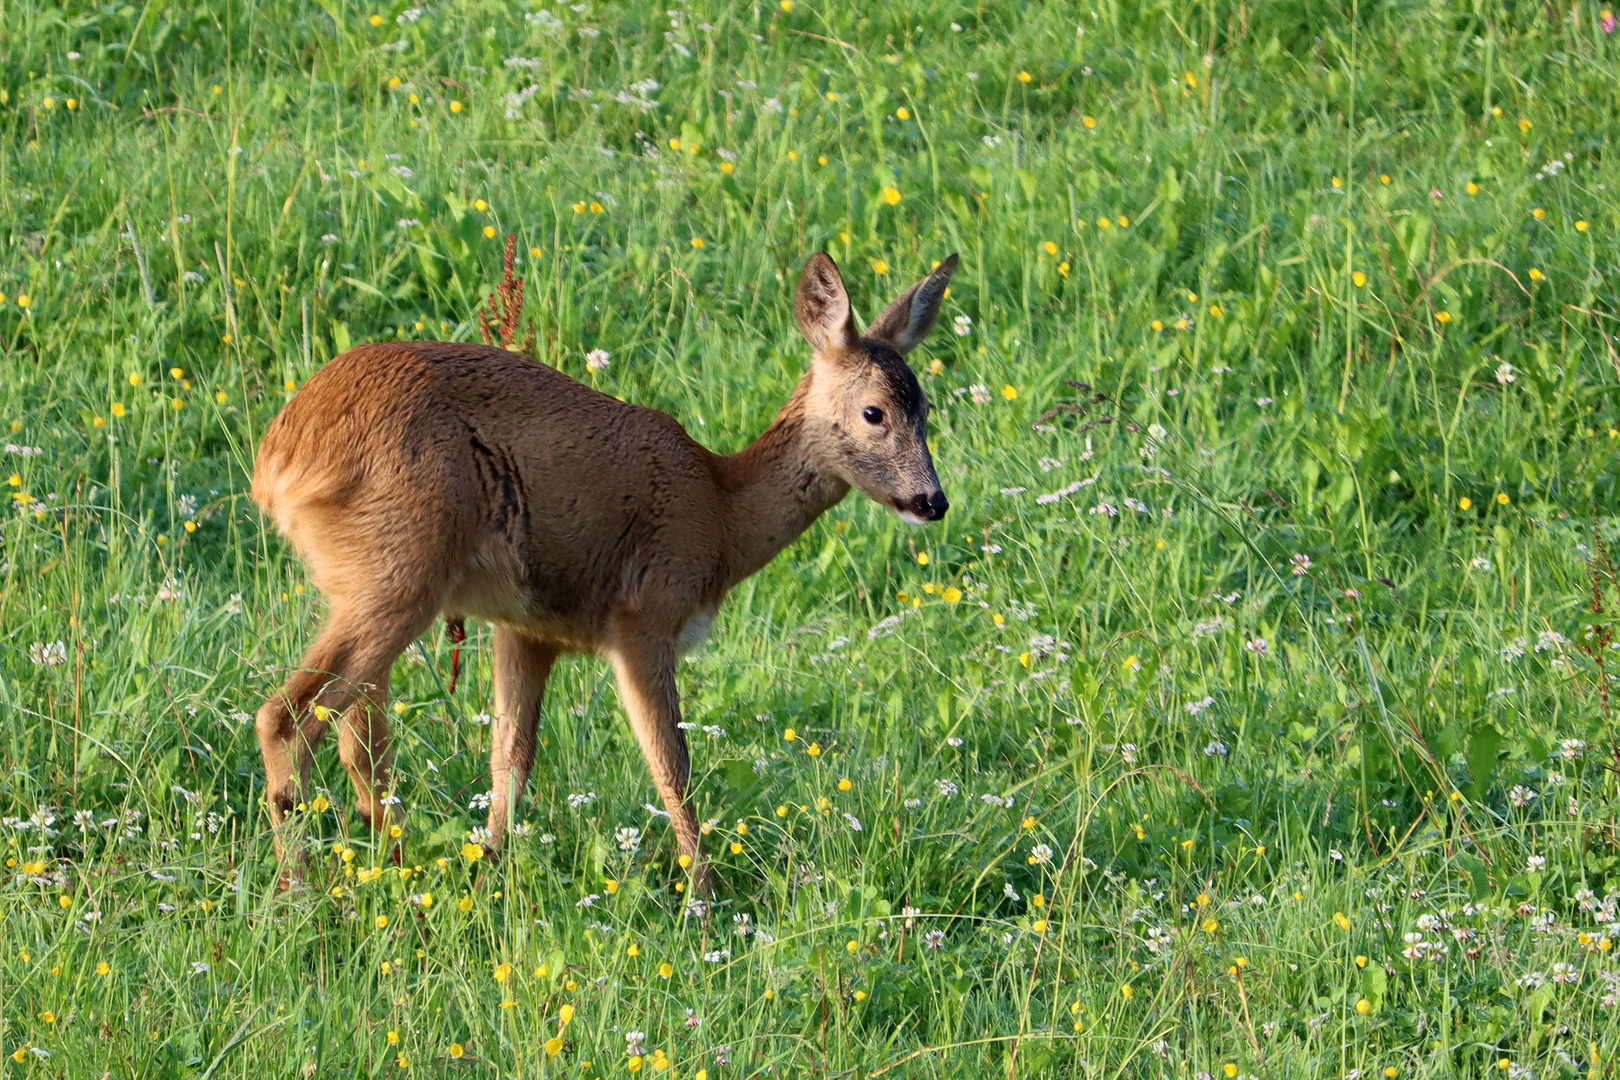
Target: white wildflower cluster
<point x="49" y="654"/>
<point x="1513" y="650"/>
<point x="1554" y="166"/>
<point x="1420" y="948"/>
<point x="578" y="800"/>
<point x="519" y="98"/>
<point x="1063" y="493"/>
<point x="1209" y="627"/>
<point x="1045" y="644"/>
<point x="1550" y="641"/>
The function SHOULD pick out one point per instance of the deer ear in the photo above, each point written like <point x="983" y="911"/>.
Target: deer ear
<point x="907" y="321"/>
<point x="821" y="306"/>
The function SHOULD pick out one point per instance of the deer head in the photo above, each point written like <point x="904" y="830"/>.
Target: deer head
<point x="866" y="418"/>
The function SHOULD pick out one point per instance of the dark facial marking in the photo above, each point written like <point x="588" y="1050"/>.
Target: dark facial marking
<point x="901" y="380"/>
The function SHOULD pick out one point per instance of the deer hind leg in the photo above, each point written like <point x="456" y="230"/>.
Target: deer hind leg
<point x="646" y="672"/>
<point x="367" y="754"/>
<point x="352" y="654"/>
<point x="522" y="665"/>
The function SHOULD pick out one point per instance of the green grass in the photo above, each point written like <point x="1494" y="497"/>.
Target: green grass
<point x="238" y="193"/>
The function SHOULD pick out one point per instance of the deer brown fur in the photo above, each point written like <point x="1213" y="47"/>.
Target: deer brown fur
<point x="416" y="478"/>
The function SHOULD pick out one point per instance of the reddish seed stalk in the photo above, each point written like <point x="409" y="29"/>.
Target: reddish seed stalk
<point x="502" y="311"/>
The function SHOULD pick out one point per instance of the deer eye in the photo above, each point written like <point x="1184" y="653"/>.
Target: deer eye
<point x="872" y="414"/>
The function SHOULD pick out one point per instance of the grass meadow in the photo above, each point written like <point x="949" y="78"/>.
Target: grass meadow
<point x="1248" y="716"/>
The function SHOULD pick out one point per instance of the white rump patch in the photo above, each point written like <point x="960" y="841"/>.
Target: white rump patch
<point x="696" y="631"/>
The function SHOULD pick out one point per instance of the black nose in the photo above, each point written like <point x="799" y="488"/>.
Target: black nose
<point x="930" y="507"/>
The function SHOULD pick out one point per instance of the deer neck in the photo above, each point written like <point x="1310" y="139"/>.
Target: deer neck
<point x="775" y="489"/>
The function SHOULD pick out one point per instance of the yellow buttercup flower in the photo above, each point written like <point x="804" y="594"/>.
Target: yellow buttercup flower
<point x="891" y="195"/>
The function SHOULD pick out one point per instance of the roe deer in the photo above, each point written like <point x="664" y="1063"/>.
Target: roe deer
<point x="422" y="477"/>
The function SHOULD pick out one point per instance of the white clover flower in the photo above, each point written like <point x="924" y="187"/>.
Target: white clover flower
<point x="1505" y="373"/>
<point x="49" y="654"/>
<point x="1040" y="855"/>
<point x="628" y="839"/>
<point x="597" y="359"/>
<point x="963" y="325"/>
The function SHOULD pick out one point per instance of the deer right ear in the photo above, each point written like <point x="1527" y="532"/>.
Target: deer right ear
<point x="821" y="306"/>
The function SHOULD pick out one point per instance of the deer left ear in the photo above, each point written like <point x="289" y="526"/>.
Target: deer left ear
<point x="907" y="321"/>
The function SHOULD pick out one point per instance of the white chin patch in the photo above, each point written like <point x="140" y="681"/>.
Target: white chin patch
<point x="911" y="519"/>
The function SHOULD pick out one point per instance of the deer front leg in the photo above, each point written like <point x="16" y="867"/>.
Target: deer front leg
<point x="646" y="671"/>
<point x="522" y="666"/>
